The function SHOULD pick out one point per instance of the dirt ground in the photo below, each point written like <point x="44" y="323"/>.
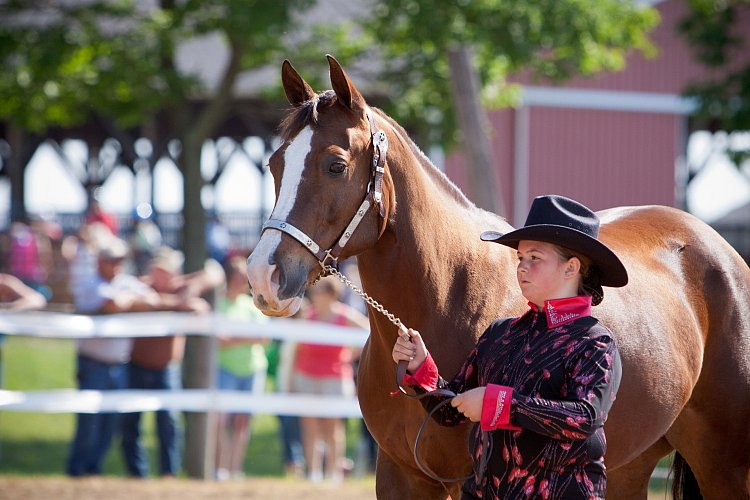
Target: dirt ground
<point x="109" y="488"/>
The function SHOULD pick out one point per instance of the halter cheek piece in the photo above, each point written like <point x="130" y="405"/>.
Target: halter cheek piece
<point x="374" y="196"/>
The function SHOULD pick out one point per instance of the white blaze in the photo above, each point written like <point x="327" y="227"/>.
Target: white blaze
<point x="294" y="164"/>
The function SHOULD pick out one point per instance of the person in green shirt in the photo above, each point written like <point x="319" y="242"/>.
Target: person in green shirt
<point x="242" y="366"/>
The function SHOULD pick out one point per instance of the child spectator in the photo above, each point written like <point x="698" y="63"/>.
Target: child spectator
<point x="326" y="370"/>
<point x="242" y="367"/>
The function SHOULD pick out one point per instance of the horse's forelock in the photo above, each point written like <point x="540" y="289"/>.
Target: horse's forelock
<point x="305" y="114"/>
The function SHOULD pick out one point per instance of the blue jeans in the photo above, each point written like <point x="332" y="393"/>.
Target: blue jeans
<point x="94" y="431"/>
<point x="136" y="459"/>
<point x="291" y="440"/>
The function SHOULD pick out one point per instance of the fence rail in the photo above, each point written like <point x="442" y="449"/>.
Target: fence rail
<point x="77" y="326"/>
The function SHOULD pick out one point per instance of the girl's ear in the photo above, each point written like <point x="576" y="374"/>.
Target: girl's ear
<point x="572" y="267"/>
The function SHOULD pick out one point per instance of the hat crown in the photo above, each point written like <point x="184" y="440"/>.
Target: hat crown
<point x="562" y="211"/>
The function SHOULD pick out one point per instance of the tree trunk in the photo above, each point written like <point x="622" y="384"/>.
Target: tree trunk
<point x="200" y="351"/>
<point x="474" y="128"/>
<point x="198" y="365"/>
<point x="21" y="150"/>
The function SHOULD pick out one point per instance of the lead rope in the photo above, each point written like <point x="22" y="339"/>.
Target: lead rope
<point x="401" y="373"/>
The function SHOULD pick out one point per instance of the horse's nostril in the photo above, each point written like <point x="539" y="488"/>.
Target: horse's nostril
<point x="276" y="277"/>
<point x="261" y="301"/>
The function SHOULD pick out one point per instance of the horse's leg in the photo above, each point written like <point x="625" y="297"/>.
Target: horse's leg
<point x="393" y="482"/>
<point x="630" y="481"/>
<point x="715" y="450"/>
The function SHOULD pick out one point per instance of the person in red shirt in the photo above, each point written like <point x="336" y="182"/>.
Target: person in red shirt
<point x="327" y="370"/>
<point x="540" y="385"/>
<point x="97" y="214"/>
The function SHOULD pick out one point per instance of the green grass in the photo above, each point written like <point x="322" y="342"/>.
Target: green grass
<point x="37" y="443"/>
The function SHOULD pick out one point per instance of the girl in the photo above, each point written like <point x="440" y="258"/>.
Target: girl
<point x="326" y="370"/>
<point x="242" y="367"/>
<point x="541" y="384"/>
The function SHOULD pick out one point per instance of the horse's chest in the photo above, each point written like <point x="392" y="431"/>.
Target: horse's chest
<point x="534" y="363"/>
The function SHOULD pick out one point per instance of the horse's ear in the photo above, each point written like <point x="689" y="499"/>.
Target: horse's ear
<point x="296" y="88"/>
<point x="345" y="90"/>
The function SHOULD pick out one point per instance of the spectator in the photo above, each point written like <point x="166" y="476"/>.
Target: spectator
<point x="80" y="251"/>
<point x="16" y="296"/>
<point x="145" y="241"/>
<point x="29" y="252"/>
<point x="280" y="363"/>
<point x="102" y="362"/>
<point x="155" y="361"/>
<point x="97" y="214"/>
<point x="367" y="448"/>
<point x="326" y="370"/>
<point x="242" y="367"/>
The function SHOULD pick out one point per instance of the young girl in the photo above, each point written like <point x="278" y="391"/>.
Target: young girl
<point x="543" y="383"/>
<point x="242" y="366"/>
<point x="326" y="370"/>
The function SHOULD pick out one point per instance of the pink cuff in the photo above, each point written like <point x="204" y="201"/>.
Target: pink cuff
<point x="426" y="376"/>
<point x="496" y="408"/>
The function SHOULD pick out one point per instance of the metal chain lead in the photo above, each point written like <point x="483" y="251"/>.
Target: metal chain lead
<point x="369" y="300"/>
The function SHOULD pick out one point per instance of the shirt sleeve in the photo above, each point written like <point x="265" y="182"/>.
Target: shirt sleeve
<point x="427" y="378"/>
<point x="593" y="376"/>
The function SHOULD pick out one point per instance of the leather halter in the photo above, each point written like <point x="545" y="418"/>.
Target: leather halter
<point x="374" y="196"/>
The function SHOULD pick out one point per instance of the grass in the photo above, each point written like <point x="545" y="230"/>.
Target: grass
<point x="37" y="443"/>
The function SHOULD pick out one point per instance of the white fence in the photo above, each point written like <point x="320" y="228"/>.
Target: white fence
<point x="76" y="326"/>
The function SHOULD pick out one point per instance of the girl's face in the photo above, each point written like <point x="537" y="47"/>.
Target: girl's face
<point x="542" y="274"/>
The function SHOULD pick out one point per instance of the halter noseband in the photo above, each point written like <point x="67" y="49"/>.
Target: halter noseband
<point x="374" y="196"/>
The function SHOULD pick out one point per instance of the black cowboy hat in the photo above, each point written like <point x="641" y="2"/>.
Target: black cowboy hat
<point x="565" y="222"/>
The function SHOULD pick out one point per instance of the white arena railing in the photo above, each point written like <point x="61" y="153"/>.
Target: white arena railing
<point x="159" y="324"/>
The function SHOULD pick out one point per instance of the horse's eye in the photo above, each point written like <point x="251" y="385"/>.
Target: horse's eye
<point x="336" y="168"/>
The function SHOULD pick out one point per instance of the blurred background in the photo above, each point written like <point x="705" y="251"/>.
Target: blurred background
<point x="163" y="113"/>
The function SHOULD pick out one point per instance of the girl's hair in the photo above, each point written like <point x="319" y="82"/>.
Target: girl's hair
<point x="589" y="282"/>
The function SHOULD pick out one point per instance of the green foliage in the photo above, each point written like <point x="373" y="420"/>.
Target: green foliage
<point x="717" y="40"/>
<point x="116" y="59"/>
<point x="553" y="39"/>
<point x="63" y="64"/>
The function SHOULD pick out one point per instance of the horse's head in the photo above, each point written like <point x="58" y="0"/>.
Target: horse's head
<point x="322" y="173"/>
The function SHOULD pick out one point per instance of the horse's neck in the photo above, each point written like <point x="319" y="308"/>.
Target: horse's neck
<point x="428" y="266"/>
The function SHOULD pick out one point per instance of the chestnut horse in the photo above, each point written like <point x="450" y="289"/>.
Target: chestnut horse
<point x="682" y="323"/>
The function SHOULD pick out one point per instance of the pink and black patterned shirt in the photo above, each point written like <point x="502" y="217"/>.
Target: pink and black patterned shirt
<point x="551" y="377"/>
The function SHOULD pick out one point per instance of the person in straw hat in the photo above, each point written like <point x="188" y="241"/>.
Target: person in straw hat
<point x="541" y="384"/>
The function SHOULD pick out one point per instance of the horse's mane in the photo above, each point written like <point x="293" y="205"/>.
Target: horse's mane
<point x="307" y="114"/>
<point x="435" y="173"/>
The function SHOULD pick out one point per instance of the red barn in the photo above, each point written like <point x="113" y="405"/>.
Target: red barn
<point x="610" y="140"/>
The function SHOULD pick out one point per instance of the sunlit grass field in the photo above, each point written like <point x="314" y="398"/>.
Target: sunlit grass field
<point x="36" y="444"/>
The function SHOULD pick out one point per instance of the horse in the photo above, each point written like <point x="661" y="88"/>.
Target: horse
<point x="350" y="180"/>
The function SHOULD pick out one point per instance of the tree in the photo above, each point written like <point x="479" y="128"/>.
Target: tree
<point x="550" y="39"/>
<point x="718" y="41"/>
<point x="113" y="63"/>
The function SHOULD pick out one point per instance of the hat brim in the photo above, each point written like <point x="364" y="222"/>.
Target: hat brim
<point x="613" y="272"/>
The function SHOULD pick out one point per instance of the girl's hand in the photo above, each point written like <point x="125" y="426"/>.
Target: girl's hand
<point x="412" y="350"/>
<point x="470" y="403"/>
